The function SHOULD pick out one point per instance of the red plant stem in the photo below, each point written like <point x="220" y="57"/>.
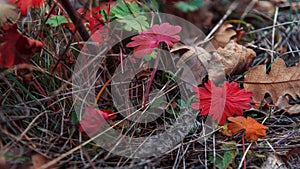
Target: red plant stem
<point x="243" y="142"/>
<point x="152" y="77"/>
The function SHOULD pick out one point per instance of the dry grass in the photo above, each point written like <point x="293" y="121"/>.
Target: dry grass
<point x="38" y="116"/>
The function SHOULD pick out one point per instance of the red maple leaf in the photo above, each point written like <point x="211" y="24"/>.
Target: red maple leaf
<point x="221" y="102"/>
<point x="14" y="47"/>
<point x="147" y="40"/>
<point x="90" y="124"/>
<point x="94" y="13"/>
<point x="92" y="19"/>
<point x="25" y="4"/>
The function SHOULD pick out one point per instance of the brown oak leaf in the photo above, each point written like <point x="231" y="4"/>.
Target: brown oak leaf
<point x="253" y="129"/>
<point x="280" y="83"/>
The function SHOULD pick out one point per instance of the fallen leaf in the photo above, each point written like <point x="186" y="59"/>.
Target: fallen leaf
<point x="221" y="102"/>
<point x="266" y="7"/>
<point x="273" y="161"/>
<point x="94" y="120"/>
<point x="280" y="81"/>
<point x="25" y="4"/>
<point x="195" y="57"/>
<point x="283" y="104"/>
<point x="253" y="129"/>
<point x="14" y="47"/>
<point x="200" y="62"/>
<point x="37" y="161"/>
<point x="223" y="36"/>
<point x="235" y="58"/>
<point x="6" y="11"/>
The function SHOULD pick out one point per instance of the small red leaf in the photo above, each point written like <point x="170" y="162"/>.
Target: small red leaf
<point x="25" y="4"/>
<point x="95" y="119"/>
<point x="147" y="40"/>
<point x="14" y="47"/>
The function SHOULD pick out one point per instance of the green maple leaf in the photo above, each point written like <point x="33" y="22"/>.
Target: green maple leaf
<point x="223" y="161"/>
<point x="122" y="9"/>
<point x="190" y="6"/>
<point x="129" y="15"/>
<point x="138" y="23"/>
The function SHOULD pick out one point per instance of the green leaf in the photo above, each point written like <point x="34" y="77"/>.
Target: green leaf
<point x="227" y="159"/>
<point x="138" y="23"/>
<point x="122" y="10"/>
<point x="172" y="112"/>
<point x="57" y="20"/>
<point x="157" y="102"/>
<point x="151" y="56"/>
<point x="129" y="14"/>
<point x="190" y="6"/>
<point x="223" y="161"/>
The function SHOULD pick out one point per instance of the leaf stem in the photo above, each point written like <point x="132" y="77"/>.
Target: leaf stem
<point x="152" y="77"/>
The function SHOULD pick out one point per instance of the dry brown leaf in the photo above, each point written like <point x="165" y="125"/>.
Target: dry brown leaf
<point x="266" y="7"/>
<point x="273" y="161"/>
<point x="223" y="36"/>
<point x="38" y="161"/>
<point x="278" y="83"/>
<point x="201" y="63"/>
<point x="253" y="129"/>
<point x="6" y="11"/>
<point x="283" y="104"/>
<point x="235" y="58"/>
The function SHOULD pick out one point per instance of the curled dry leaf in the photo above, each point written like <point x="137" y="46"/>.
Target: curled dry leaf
<point x="253" y="129"/>
<point x="201" y="63"/>
<point x="223" y="36"/>
<point x="283" y="104"/>
<point x="7" y="11"/>
<point x="235" y="58"/>
<point x="281" y="81"/>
